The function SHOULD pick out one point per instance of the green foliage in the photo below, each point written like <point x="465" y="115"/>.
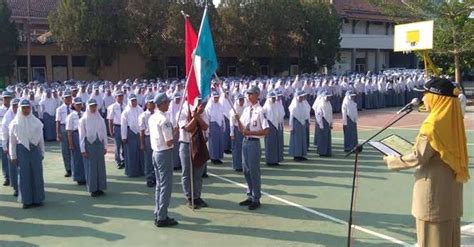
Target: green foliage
<point x="246" y="29"/>
<point x="97" y="27"/>
<point x="8" y="40"/>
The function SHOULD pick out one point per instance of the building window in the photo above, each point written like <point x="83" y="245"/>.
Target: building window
<point x="39" y="74"/>
<point x="367" y="27"/>
<point x="60" y="68"/>
<point x="360" y="65"/>
<point x="387" y="28"/>
<point x="22" y="74"/>
<point x="354" y="23"/>
<point x="79" y="61"/>
<point x="172" y="71"/>
<point x="59" y="61"/>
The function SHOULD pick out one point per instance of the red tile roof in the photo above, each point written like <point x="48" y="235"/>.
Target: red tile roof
<point x="38" y="8"/>
<point x="359" y="10"/>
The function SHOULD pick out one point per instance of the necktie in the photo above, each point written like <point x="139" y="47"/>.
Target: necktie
<point x="250" y="118"/>
<point x="68" y="110"/>
<point x="80" y="114"/>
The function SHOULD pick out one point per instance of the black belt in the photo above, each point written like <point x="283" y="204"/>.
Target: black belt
<point x="62" y="124"/>
<point x="183" y="142"/>
<point x="117" y="125"/>
<point x="252" y="139"/>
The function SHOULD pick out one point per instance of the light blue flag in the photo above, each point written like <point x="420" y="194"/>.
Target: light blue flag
<point x="205" y="59"/>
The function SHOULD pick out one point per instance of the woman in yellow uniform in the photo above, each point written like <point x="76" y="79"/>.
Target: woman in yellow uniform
<point x="441" y="161"/>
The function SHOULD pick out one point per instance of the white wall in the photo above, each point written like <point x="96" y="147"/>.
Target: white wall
<point x="363" y="41"/>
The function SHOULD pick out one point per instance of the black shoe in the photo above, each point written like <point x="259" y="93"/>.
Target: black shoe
<point x="15" y="193"/>
<point x="6" y="183"/>
<point x="150" y="184"/>
<point x="299" y="159"/>
<point x="219" y="162"/>
<point x="190" y="205"/>
<point x="228" y="151"/>
<point x="254" y="205"/>
<point x="205" y="175"/>
<point x="177" y="168"/>
<point x="68" y="174"/>
<point x="239" y="170"/>
<point x="201" y="203"/>
<point x="273" y="164"/>
<point x="166" y="223"/>
<point x="247" y="202"/>
<point x="26" y="206"/>
<point x="95" y="194"/>
<point x="81" y="183"/>
<point x="100" y="193"/>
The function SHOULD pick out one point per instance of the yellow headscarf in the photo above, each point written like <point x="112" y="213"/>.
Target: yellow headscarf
<point x="444" y="128"/>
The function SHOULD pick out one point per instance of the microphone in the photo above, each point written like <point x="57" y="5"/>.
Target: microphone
<point x="414" y="102"/>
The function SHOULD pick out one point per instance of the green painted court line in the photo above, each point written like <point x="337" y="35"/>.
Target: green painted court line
<point x="309" y="210"/>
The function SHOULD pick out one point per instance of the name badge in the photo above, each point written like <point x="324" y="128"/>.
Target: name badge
<point x="254" y="124"/>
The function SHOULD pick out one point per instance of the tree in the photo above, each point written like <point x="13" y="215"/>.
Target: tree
<point x="96" y="27"/>
<point x="148" y="24"/>
<point x="321" y="36"/>
<point x="453" y="30"/>
<point x="8" y="40"/>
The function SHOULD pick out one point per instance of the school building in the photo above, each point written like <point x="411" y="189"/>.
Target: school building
<point x="367" y="43"/>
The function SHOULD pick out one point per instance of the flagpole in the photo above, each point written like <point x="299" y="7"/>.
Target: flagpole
<point x="177" y="124"/>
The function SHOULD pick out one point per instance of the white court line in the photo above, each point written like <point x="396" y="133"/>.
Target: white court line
<point x="309" y="210"/>
<point x="340" y="138"/>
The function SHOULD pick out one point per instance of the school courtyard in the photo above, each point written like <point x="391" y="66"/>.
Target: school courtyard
<point x="304" y="204"/>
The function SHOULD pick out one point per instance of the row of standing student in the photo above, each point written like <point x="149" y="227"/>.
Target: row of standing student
<point x="25" y="153"/>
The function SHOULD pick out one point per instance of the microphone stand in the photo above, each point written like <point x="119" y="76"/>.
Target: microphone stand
<point x="357" y="150"/>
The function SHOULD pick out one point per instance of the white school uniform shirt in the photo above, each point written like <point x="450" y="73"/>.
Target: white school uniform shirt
<point x="114" y="113"/>
<point x="143" y="121"/>
<point x="108" y="101"/>
<point x="72" y="121"/>
<point x="6" y="120"/>
<point x="3" y="111"/>
<point x="253" y="117"/>
<point x="48" y="105"/>
<point x="129" y="119"/>
<point x="233" y="121"/>
<point x="61" y="113"/>
<point x="161" y="131"/>
<point x="185" y="136"/>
